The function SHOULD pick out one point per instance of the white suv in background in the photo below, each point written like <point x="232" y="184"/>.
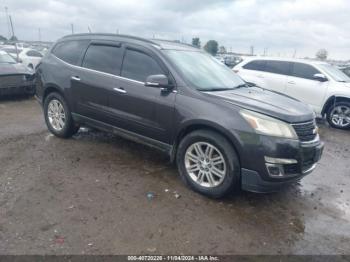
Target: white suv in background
<point x="27" y="56"/>
<point x="325" y="88"/>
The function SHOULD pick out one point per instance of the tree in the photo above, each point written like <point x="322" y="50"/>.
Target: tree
<point x="211" y="47"/>
<point x="222" y="50"/>
<point x="3" y="39"/>
<point x="196" y="42"/>
<point x="322" y="54"/>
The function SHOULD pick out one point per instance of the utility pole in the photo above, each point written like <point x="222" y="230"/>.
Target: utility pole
<point x="39" y="32"/>
<point x="7" y="22"/>
<point x="13" y="37"/>
<point x="252" y="50"/>
<point x="72" y="27"/>
<point x="89" y="29"/>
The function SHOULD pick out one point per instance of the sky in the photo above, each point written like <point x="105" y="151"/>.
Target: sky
<point x="282" y="27"/>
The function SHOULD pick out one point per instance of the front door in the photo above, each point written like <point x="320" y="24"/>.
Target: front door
<point x="302" y="86"/>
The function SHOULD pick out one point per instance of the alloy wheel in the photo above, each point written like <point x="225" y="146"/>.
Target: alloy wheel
<point x="205" y="164"/>
<point x="340" y="116"/>
<point x="56" y="115"/>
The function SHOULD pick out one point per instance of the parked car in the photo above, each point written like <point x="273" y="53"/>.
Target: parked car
<point x="29" y="57"/>
<point x="222" y="133"/>
<point x="325" y="88"/>
<point x="231" y="61"/>
<point x="11" y="50"/>
<point x="15" y="78"/>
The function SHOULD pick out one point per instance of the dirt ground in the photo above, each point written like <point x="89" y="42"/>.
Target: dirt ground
<point x="88" y="195"/>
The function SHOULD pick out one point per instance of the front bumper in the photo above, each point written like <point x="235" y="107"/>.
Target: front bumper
<point x="18" y="90"/>
<point x="302" y="157"/>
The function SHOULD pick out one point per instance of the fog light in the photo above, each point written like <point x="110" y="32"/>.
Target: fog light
<point x="275" y="170"/>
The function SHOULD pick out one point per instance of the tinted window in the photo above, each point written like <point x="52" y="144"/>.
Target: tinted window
<point x="139" y="66"/>
<point x="102" y="58"/>
<point x="258" y="65"/>
<point x="70" y="51"/>
<point x="277" y="67"/>
<point x="304" y="71"/>
<point x="34" y="53"/>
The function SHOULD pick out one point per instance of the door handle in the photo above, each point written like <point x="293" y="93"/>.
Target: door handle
<point x="76" y="78"/>
<point x="120" y="90"/>
<point x="291" y="82"/>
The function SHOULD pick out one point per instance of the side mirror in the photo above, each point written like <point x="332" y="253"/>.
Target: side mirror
<point x="160" y="81"/>
<point x="320" y="77"/>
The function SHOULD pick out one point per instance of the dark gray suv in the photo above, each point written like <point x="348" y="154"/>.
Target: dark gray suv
<point x="222" y="133"/>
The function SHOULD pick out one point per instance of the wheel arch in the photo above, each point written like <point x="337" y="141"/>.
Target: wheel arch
<point x="204" y="125"/>
<point x="331" y="100"/>
<point x="51" y="88"/>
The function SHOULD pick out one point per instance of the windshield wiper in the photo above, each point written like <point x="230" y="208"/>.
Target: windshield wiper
<point x="215" y="89"/>
<point x="241" y="85"/>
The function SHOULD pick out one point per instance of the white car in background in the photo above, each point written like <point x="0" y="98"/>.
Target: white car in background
<point x="27" y="56"/>
<point x="324" y="87"/>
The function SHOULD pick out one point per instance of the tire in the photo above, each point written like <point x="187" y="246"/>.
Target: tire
<point x="342" y="109"/>
<point x="215" y="187"/>
<point x="67" y="127"/>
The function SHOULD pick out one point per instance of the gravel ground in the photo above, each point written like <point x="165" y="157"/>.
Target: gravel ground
<point x="88" y="195"/>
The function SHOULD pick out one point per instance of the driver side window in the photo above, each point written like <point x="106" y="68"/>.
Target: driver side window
<point x="138" y="66"/>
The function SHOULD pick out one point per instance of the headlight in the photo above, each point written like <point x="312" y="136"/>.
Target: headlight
<point x="266" y="125"/>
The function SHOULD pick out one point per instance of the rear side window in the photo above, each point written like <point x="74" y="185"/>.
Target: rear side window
<point x="304" y="71"/>
<point x="34" y="53"/>
<point x="104" y="58"/>
<point x="139" y="66"/>
<point x="70" y="51"/>
<point x="258" y="65"/>
<point x="277" y="67"/>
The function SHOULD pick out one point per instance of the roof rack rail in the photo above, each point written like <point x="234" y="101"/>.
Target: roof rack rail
<point x="116" y="35"/>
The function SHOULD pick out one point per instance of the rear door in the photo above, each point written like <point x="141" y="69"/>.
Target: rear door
<point x="269" y="74"/>
<point x="275" y="75"/>
<point x="302" y="85"/>
<point x="144" y="110"/>
<point x="95" y="78"/>
<point x="252" y="72"/>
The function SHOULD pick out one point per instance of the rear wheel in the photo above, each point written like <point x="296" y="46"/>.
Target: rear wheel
<point x="58" y="116"/>
<point x="338" y="115"/>
<point x="208" y="163"/>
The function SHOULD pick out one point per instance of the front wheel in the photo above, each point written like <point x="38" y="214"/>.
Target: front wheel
<point x="208" y="163"/>
<point x="338" y="115"/>
<point x="58" y="117"/>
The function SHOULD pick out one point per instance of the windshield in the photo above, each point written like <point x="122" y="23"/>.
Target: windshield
<point x="6" y="58"/>
<point x="335" y="73"/>
<point x="203" y="71"/>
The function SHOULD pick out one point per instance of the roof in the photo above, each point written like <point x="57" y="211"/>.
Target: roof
<point x="287" y="59"/>
<point x="158" y="43"/>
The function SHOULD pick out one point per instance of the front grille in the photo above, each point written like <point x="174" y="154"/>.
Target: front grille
<point x="12" y="81"/>
<point x="306" y="131"/>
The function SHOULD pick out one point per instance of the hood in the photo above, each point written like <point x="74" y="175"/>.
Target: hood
<point x="267" y="102"/>
<point x="9" y="69"/>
